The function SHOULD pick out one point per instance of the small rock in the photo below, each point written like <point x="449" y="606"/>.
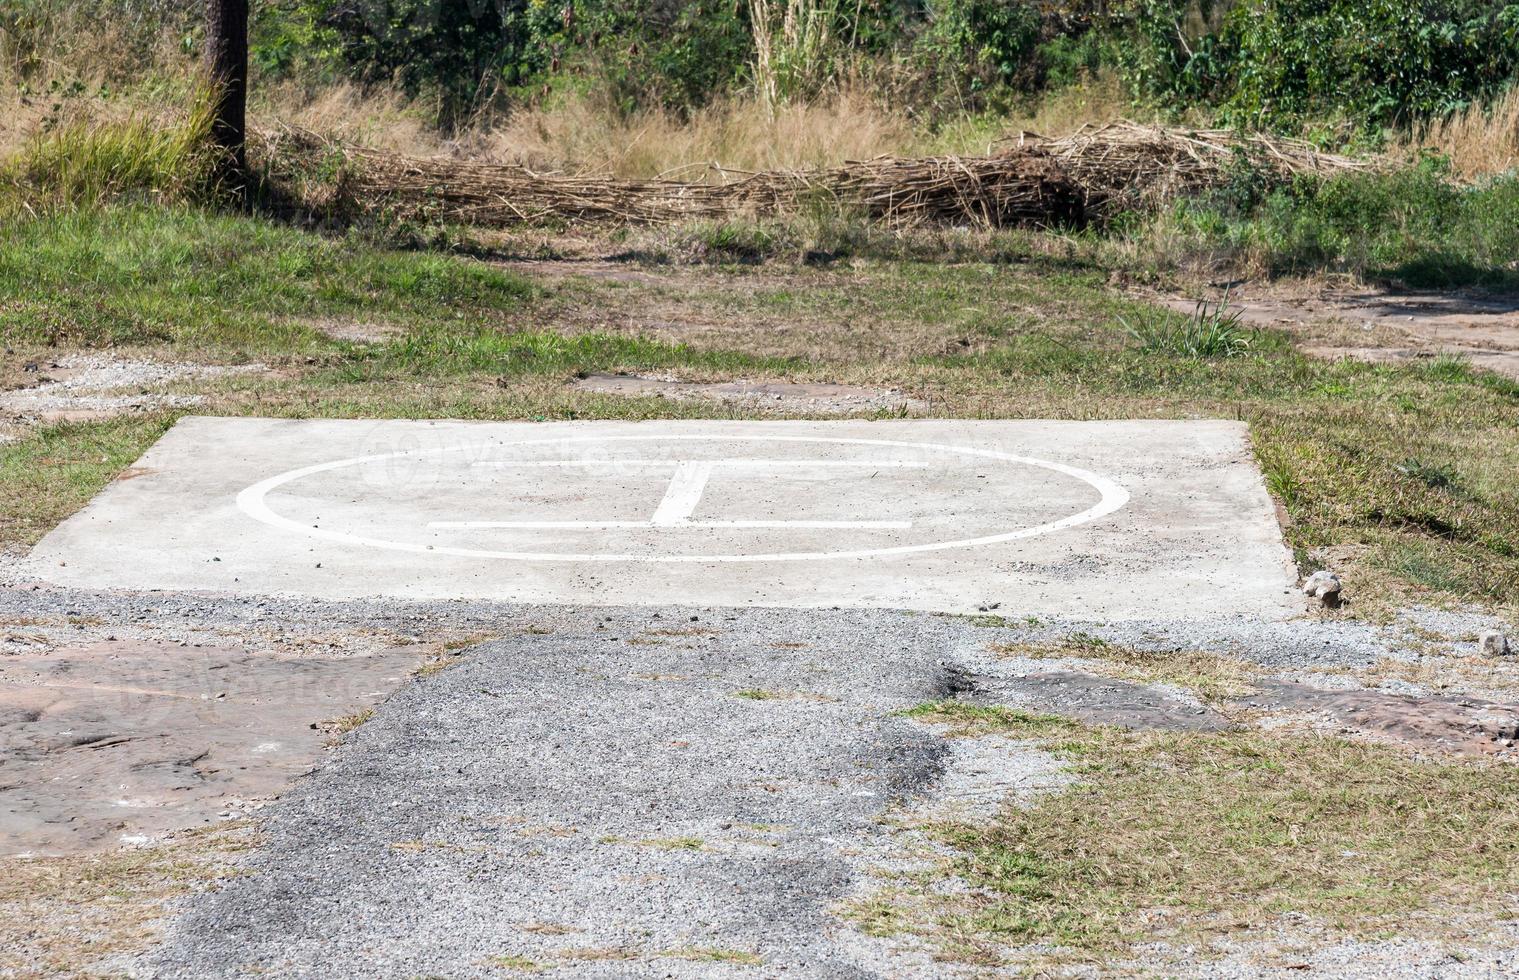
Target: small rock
<point x="1325" y="587"/>
<point x="1493" y="643"/>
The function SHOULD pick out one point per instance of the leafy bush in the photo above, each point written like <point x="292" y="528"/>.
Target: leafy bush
<point x="292" y="38"/>
<point x="645" y="52"/>
<point x="1282" y="62"/>
<point x="459" y="51"/>
<point x="979" y="51"/>
<point x="1374" y="60"/>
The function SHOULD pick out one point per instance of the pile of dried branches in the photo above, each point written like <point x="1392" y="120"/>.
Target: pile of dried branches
<point x="1031" y="180"/>
<point x="1123" y="165"/>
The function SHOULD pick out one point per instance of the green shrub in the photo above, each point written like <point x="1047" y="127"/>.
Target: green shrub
<point x="979" y="51"/>
<point x="1375" y="61"/>
<point x="461" y="52"/>
<point x="1414" y="225"/>
<point x="1213" y="330"/>
<point x="1283" y="62"/>
<point x="645" y="52"/>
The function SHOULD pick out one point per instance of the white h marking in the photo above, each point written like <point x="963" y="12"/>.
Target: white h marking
<point x="684" y="492"/>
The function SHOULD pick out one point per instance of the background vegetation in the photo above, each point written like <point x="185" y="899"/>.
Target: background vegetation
<point x="647" y="87"/>
<point x="110" y="237"/>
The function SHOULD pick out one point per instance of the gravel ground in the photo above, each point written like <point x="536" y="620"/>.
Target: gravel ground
<point x="695" y="792"/>
<point x="1301" y="645"/>
<point x="644" y="792"/>
<point x="98" y="385"/>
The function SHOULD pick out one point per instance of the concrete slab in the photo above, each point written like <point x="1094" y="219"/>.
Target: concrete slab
<point x="1101" y="520"/>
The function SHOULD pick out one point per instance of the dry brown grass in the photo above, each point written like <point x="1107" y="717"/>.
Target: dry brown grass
<point x="585" y="133"/>
<point x="377" y="116"/>
<point x="66" y="916"/>
<point x="1479" y="141"/>
<point x="72" y="65"/>
<point x="582" y="134"/>
<point x="1030" y="180"/>
<point x="1496" y="679"/>
<point x="1213" y="678"/>
<point x="1192" y="837"/>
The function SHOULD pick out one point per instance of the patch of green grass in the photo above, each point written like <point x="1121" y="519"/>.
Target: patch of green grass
<point x="223" y="283"/>
<point x="1222" y="832"/>
<point x="733" y="241"/>
<point x="350" y="722"/>
<point x="56" y="469"/>
<point x="84" y="164"/>
<point x="440" y="351"/>
<point x="1436" y="476"/>
<point x="117" y="896"/>
<point x="965" y="719"/>
<point x="883" y="914"/>
<point x="1213" y="678"/>
<point x="1413" y="225"/>
<point x="675" y="843"/>
<point x="715" y="954"/>
<point x="517" y="964"/>
<point x="757" y="694"/>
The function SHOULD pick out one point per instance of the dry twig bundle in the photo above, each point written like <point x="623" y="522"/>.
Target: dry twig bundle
<point x="1032" y="180"/>
<point x="1126" y="165"/>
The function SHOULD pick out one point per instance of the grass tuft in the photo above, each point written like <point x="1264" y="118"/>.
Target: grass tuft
<point x="1212" y="330"/>
<point x="716" y="954"/>
<point x="88" y="163"/>
<point x="1213" y="678"/>
<point x="965" y="719"/>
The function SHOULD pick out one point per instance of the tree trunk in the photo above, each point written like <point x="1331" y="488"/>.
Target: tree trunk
<point x="227" y="71"/>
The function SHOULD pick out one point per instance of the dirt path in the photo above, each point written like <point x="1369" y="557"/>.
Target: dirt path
<point x="1383" y="326"/>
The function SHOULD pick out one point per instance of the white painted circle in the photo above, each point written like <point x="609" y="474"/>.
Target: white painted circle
<point x="1113" y="496"/>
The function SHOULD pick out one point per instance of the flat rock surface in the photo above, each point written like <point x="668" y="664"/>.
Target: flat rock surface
<point x="1099" y="520"/>
<point x="1103" y="701"/>
<point x="1444" y="723"/>
<point x="119" y="742"/>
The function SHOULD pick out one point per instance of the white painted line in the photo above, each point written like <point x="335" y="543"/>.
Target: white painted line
<point x="883" y="464"/>
<point x="683" y="494"/>
<point x="546" y="525"/>
<point x="650" y="525"/>
<point x="253" y="501"/>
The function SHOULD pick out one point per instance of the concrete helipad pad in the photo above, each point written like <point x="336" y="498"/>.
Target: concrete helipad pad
<point x="1100" y="520"/>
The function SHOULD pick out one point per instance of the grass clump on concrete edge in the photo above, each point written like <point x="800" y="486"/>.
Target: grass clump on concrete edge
<point x="1183" y="836"/>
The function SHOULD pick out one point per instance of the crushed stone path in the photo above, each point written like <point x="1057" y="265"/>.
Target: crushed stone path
<point x="663" y="791"/>
<point x="679" y="801"/>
